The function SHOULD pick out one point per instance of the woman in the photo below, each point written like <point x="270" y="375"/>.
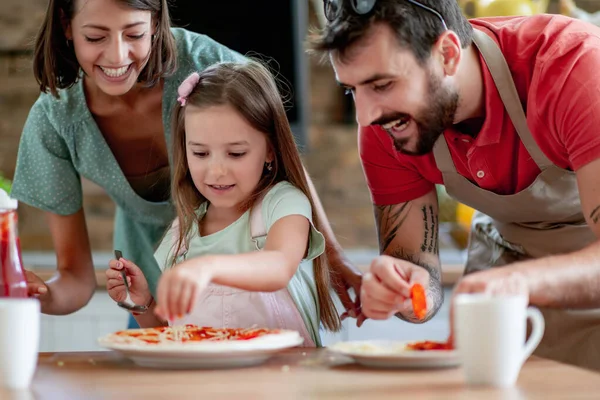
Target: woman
<point x="108" y="71"/>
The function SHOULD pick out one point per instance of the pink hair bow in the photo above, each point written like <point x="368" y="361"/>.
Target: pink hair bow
<point x="186" y="88"/>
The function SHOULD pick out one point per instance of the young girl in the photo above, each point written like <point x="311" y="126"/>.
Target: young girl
<point x="109" y="71"/>
<point x="237" y="173"/>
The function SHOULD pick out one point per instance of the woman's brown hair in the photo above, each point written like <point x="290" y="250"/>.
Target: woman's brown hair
<point x="55" y="65"/>
<point x="250" y="89"/>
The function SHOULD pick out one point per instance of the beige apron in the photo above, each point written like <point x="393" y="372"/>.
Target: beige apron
<point x="541" y="220"/>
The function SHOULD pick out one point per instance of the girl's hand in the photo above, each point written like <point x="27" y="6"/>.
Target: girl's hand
<point x="179" y="288"/>
<point x="36" y="287"/>
<point x="138" y="285"/>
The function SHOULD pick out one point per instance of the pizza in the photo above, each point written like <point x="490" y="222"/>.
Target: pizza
<point x="387" y="348"/>
<point x="189" y="334"/>
<point x="429" y="345"/>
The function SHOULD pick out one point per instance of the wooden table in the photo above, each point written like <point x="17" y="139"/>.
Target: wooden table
<point x="295" y="374"/>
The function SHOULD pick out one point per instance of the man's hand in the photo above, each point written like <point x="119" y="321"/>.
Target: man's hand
<point x="495" y="282"/>
<point x="386" y="288"/>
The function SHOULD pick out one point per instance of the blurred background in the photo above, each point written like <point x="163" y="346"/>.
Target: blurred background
<point x="322" y="119"/>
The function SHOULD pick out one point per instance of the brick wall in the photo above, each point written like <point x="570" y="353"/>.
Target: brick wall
<point x="337" y="174"/>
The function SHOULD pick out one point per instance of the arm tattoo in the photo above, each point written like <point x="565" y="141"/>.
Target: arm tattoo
<point x="389" y="220"/>
<point x="595" y="214"/>
<point x="430" y="235"/>
<point x="435" y="293"/>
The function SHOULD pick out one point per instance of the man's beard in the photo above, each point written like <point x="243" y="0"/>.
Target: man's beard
<point x="432" y="122"/>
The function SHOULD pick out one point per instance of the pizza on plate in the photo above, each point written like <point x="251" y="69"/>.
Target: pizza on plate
<point x="188" y="334"/>
<point x="387" y="348"/>
<point x="429" y="345"/>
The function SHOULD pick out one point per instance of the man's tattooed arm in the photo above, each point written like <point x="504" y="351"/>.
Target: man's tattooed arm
<point x="398" y="232"/>
<point x="435" y="293"/>
<point x="430" y="236"/>
<point x="595" y="215"/>
<point x="389" y="220"/>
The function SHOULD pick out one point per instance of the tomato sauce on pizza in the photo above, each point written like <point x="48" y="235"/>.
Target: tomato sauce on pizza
<point x="429" y="345"/>
<point x="189" y="334"/>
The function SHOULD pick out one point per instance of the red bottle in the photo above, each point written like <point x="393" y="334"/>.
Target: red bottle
<point x="12" y="276"/>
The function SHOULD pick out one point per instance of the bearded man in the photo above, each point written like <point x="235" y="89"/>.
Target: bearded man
<point x="502" y="111"/>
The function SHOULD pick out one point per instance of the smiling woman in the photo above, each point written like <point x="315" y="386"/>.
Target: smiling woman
<point x="105" y="40"/>
<point x="108" y="72"/>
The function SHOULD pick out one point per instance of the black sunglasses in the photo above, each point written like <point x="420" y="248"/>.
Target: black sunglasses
<point x="362" y="7"/>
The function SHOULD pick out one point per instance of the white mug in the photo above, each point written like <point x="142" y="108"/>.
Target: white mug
<point x="490" y="334"/>
<point x="19" y="341"/>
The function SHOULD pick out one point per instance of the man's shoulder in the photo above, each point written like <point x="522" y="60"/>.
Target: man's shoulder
<point x="374" y="142"/>
<point x="537" y="33"/>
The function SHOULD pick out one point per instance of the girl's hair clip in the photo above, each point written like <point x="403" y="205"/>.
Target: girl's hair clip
<point x="186" y="87"/>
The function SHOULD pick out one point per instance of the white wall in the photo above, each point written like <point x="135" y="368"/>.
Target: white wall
<point x="79" y="331"/>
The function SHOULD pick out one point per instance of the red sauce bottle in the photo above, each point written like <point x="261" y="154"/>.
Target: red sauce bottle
<point x="12" y="276"/>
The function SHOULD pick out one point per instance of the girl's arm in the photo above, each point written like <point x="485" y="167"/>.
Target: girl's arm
<point x="262" y="271"/>
<point x="149" y="318"/>
<point x="268" y="270"/>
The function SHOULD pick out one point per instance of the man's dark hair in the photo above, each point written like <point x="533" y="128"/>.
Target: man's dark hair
<point x="416" y="28"/>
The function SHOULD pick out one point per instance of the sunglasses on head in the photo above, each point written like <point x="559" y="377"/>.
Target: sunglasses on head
<point x="332" y="8"/>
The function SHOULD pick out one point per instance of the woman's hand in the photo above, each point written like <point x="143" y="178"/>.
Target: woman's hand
<point x="36" y="287"/>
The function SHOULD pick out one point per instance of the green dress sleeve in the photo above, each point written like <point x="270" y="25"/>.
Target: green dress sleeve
<point x="45" y="176"/>
<point x="285" y="199"/>
<point x="198" y="52"/>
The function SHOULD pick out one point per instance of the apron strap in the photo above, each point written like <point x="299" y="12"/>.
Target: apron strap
<point x="257" y="224"/>
<point x="442" y="156"/>
<point x="502" y="77"/>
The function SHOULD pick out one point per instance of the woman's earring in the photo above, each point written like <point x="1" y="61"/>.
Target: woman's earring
<point x="268" y="166"/>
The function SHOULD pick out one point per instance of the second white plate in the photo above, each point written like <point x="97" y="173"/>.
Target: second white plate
<point x="393" y="354"/>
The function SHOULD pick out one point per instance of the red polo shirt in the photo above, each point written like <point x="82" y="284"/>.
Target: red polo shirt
<point x="555" y="63"/>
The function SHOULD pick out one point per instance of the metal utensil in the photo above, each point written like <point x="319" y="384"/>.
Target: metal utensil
<point x="128" y="304"/>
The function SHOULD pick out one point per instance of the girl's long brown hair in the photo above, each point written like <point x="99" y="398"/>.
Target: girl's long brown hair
<point x="251" y="90"/>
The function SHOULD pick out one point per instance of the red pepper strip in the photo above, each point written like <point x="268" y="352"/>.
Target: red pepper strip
<point x="417" y="294"/>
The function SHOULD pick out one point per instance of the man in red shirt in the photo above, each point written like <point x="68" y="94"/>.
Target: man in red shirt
<point x="503" y="112"/>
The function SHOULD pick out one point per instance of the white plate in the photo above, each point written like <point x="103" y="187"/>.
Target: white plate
<point x="212" y="355"/>
<point x="393" y="354"/>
